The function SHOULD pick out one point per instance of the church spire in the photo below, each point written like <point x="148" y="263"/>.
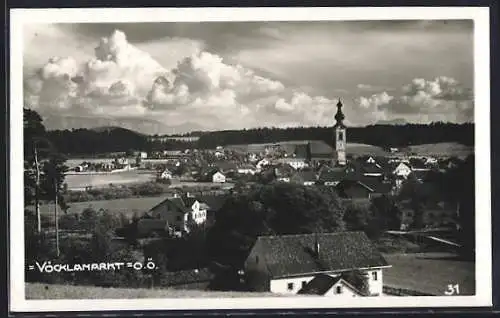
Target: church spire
<point x="339" y="116"/>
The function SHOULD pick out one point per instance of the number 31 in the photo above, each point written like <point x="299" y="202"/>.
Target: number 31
<point x="452" y="290"/>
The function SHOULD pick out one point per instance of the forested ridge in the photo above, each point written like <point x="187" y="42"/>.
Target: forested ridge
<point x="95" y="141"/>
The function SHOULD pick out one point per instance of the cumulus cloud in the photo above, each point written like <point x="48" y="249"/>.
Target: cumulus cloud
<point x="123" y="80"/>
<point x="439" y="99"/>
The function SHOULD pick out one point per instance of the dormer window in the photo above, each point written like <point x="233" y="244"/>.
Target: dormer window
<point x="339" y="289"/>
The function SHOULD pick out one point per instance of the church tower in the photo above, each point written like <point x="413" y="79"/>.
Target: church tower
<point x="339" y="131"/>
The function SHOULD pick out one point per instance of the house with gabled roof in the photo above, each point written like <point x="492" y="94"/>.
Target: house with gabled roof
<point x="287" y="263"/>
<point x="362" y="188"/>
<point x="331" y="176"/>
<point x="326" y="285"/>
<point x="304" y="177"/>
<point x="177" y="213"/>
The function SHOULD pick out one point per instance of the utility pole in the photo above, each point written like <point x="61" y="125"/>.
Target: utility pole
<point x="37" y="192"/>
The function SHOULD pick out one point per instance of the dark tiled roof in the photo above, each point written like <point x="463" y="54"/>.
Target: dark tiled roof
<point x="332" y="175"/>
<point x="301" y="151"/>
<point x="372" y="168"/>
<point x="320" y="148"/>
<point x="304" y="176"/>
<point x="319" y="285"/>
<point x="226" y="166"/>
<point x="376" y="185"/>
<point x="177" y="203"/>
<point x="289" y="255"/>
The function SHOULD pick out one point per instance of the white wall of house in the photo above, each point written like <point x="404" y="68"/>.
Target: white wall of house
<point x="218" y="178"/>
<point x="375" y="281"/>
<point x="281" y="285"/>
<point x="198" y="215"/>
<point x="331" y="183"/>
<point x="309" y="183"/>
<point x="262" y="163"/>
<point x="341" y="290"/>
<point x="402" y="170"/>
<point x="246" y="171"/>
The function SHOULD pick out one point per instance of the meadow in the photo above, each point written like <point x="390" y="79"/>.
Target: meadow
<point x="49" y="291"/>
<point x="81" y="181"/>
<point x="430" y="272"/>
<point x="128" y="206"/>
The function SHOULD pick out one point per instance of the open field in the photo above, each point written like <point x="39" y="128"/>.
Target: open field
<point x="430" y="273"/>
<point x="47" y="291"/>
<point x="127" y="206"/>
<point x="80" y="181"/>
<point x="442" y="149"/>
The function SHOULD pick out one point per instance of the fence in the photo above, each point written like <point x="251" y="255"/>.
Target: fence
<point x="393" y="291"/>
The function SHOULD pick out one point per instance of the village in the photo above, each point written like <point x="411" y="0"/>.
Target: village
<point x="198" y="184"/>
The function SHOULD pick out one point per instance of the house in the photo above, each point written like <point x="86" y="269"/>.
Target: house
<point x="165" y="175"/>
<point x="143" y="155"/>
<point x="227" y="167"/>
<point x="263" y="163"/>
<point x="218" y="177"/>
<point x="320" y="152"/>
<point x="246" y="169"/>
<point x="305" y="177"/>
<point x="287" y="263"/>
<point x="401" y="170"/>
<point x="326" y="285"/>
<point x="418" y="165"/>
<point x="296" y="163"/>
<point x="198" y="209"/>
<point x="353" y="189"/>
<point x="331" y="176"/>
<point x="177" y="213"/>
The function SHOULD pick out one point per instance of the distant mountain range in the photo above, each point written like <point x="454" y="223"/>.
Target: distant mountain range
<point x="143" y="126"/>
<point x="396" y="121"/>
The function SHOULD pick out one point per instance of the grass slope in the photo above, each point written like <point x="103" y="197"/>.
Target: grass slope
<point x="430" y="273"/>
<point x="444" y="148"/>
<point x="47" y="291"/>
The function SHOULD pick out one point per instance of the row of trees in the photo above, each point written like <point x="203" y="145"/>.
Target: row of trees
<point x="94" y="142"/>
<point x="44" y="166"/>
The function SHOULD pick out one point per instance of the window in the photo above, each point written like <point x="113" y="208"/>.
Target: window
<point x="374" y="275"/>
<point x="304" y="283"/>
<point x="339" y="289"/>
<point x="341" y="135"/>
<point x="290" y="286"/>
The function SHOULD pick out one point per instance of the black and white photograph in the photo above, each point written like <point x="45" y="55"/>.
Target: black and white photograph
<point x="249" y="158"/>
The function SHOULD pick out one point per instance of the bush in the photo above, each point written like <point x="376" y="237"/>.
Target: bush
<point x="69" y="222"/>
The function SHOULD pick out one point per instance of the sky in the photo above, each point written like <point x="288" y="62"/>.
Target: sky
<point x="232" y="75"/>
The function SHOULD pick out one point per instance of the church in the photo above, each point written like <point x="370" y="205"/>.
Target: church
<point x="317" y="152"/>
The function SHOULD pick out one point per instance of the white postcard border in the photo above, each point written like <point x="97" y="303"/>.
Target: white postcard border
<point x="480" y="15"/>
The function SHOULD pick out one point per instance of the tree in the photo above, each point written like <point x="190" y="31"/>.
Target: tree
<point x="274" y="209"/>
<point x="43" y="166"/>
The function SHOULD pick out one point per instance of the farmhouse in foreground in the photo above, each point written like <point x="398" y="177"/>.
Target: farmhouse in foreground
<point x="291" y="263"/>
